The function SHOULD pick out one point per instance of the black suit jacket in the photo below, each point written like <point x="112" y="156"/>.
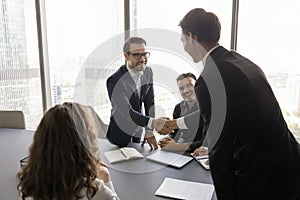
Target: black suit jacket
<point x="253" y="155"/>
<point x="126" y="119"/>
<point x="193" y="136"/>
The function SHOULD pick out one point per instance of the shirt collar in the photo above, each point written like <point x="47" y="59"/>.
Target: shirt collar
<point x="207" y="54"/>
<point x="132" y="74"/>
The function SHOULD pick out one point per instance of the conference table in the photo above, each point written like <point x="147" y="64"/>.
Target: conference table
<point x="133" y="179"/>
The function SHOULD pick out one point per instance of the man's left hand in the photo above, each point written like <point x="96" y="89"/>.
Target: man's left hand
<point x="150" y="139"/>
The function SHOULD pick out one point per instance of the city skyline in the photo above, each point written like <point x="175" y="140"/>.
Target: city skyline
<point x="20" y="83"/>
<point x="74" y="37"/>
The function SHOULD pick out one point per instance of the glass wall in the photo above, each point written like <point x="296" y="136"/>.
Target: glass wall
<point x="160" y="19"/>
<point x="75" y="30"/>
<point x="166" y="14"/>
<point x="270" y="37"/>
<point x="85" y="41"/>
<point x="20" y="87"/>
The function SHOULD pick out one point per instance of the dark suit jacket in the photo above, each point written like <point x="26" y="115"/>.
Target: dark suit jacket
<point x="255" y="155"/>
<point x="192" y="135"/>
<point x="126" y="118"/>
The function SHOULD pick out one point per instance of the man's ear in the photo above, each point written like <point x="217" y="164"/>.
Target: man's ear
<point x="126" y="56"/>
<point x="192" y="37"/>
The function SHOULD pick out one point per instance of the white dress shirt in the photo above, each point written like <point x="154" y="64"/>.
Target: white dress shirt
<point x="137" y="80"/>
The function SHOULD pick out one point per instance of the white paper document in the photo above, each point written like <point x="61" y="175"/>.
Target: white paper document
<point x="188" y="190"/>
<point x="202" y="161"/>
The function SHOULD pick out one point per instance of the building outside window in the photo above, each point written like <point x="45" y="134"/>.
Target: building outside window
<point x="83" y="36"/>
<point x="20" y="87"/>
<point x="270" y="39"/>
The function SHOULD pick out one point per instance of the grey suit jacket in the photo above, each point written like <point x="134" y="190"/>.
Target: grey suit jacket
<point x="126" y="119"/>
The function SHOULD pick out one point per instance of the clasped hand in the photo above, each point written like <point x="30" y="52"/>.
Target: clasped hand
<point x="164" y="125"/>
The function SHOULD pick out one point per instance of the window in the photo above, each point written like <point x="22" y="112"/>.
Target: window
<point x="270" y="39"/>
<point x="75" y="30"/>
<point x="158" y="21"/>
<point x="20" y="87"/>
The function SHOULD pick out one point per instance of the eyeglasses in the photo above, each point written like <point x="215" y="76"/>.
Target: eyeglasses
<point x="138" y="56"/>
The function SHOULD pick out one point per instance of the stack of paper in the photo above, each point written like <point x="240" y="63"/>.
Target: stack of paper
<point x="188" y="190"/>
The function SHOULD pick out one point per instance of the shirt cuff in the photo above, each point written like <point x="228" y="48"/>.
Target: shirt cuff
<point x="180" y="123"/>
<point x="150" y="123"/>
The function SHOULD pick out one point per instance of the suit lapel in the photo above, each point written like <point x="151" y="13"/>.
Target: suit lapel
<point x="130" y="84"/>
<point x="143" y="86"/>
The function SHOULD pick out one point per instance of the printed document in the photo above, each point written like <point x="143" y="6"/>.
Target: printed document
<point x="180" y="189"/>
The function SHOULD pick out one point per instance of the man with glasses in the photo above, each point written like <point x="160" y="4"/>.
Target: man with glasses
<point x="128" y="88"/>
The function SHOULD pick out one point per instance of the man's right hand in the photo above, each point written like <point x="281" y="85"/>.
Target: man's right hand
<point x="160" y="126"/>
<point x="201" y="151"/>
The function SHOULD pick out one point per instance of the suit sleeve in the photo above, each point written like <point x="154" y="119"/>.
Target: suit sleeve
<point x="119" y="98"/>
<point x="221" y="153"/>
<point x="192" y="120"/>
<point x="176" y="114"/>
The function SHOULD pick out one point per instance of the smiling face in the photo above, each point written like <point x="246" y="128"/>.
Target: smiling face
<point x="133" y="63"/>
<point x="186" y="88"/>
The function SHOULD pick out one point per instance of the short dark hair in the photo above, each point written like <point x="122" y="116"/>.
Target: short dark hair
<point x="132" y="40"/>
<point x="186" y="75"/>
<point x="205" y="25"/>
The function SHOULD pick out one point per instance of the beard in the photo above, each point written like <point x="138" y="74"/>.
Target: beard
<point x="140" y="67"/>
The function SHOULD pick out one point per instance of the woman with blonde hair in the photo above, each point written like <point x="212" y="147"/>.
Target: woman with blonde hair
<point x="64" y="161"/>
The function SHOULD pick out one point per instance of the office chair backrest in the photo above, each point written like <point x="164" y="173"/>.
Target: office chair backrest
<point x="12" y="119"/>
<point x="87" y="113"/>
<point x="101" y="127"/>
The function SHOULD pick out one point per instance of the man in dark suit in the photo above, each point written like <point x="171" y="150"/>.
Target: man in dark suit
<point x="252" y="153"/>
<point x="184" y="139"/>
<point x="189" y="104"/>
<point x="129" y="87"/>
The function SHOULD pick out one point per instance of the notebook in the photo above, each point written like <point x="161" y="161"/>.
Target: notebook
<point x="169" y="158"/>
<point x="125" y="153"/>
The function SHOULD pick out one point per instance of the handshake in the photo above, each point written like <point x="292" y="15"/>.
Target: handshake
<point x="164" y="125"/>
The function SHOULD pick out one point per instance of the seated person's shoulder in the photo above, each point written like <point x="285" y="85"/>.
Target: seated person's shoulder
<point x="177" y="112"/>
